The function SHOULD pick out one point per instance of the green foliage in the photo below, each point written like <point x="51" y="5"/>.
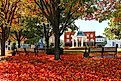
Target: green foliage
<point x="33" y="26"/>
<point x="27" y="28"/>
<point x="109" y="34"/>
<point x="114" y="30"/>
<point x="32" y="40"/>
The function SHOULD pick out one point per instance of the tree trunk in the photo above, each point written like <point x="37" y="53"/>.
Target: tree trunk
<point x="19" y="43"/>
<point x="57" y="46"/>
<point x="3" y="43"/>
<point x="47" y="42"/>
<point x="57" y="33"/>
<point x="46" y="37"/>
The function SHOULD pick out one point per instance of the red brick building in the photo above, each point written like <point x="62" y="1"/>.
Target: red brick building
<point x="67" y="36"/>
<point x="90" y="36"/>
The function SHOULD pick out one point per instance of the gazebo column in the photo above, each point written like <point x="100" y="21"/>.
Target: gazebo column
<point x="82" y="42"/>
<point x="76" y="42"/>
<point x="72" y="42"/>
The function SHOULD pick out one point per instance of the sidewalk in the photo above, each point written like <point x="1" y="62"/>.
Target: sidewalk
<point x="7" y="53"/>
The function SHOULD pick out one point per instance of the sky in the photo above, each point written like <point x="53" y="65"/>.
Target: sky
<point x="91" y="25"/>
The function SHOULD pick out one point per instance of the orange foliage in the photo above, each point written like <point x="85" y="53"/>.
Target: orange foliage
<point x="71" y="67"/>
<point x="117" y="19"/>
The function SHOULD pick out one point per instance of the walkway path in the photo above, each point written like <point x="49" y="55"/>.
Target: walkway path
<point x="7" y="53"/>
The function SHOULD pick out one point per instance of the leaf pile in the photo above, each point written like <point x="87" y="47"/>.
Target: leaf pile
<point x="71" y="67"/>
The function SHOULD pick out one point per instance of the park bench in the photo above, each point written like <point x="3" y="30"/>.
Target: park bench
<point x="103" y="50"/>
<point x="110" y="50"/>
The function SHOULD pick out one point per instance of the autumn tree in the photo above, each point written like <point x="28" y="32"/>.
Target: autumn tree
<point x="61" y="13"/>
<point x="34" y="9"/>
<point x="17" y="31"/>
<point x="29" y="28"/>
<point x="8" y="9"/>
<point x="54" y="11"/>
<point x="113" y="31"/>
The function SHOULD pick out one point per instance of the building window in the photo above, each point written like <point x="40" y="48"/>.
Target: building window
<point x="87" y="35"/>
<point x="113" y="43"/>
<point x="91" y="35"/>
<point x="102" y="39"/>
<point x="67" y="36"/>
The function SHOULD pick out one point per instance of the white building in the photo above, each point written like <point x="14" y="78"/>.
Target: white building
<point x="112" y="43"/>
<point x="100" y="40"/>
<point x="7" y="45"/>
<point x="52" y="39"/>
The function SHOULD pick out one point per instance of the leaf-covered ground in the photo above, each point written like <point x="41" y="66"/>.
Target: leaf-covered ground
<point x="71" y="67"/>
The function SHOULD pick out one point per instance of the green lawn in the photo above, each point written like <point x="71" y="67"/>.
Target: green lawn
<point x="78" y="51"/>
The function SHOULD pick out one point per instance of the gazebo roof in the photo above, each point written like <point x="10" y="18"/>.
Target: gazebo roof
<point x="80" y="33"/>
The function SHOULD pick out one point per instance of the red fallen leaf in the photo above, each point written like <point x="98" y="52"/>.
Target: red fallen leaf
<point x="71" y="79"/>
<point x="70" y="65"/>
<point x="119" y="71"/>
<point x="46" y="0"/>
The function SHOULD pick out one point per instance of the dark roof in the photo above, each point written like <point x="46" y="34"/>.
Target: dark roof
<point x="100" y="36"/>
<point x="80" y="33"/>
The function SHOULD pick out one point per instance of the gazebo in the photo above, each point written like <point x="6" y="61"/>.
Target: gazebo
<point x="79" y="37"/>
